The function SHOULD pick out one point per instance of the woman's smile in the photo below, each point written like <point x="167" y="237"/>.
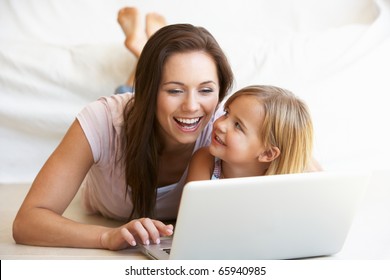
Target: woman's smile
<point x="188" y="124"/>
<point x="185" y="102"/>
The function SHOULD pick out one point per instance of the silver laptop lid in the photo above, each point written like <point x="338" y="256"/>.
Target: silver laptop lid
<point x="267" y="217"/>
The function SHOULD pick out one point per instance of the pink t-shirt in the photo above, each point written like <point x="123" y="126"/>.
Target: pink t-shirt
<point x="104" y="188"/>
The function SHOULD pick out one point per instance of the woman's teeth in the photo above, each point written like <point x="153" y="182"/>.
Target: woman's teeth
<point x="188" y="123"/>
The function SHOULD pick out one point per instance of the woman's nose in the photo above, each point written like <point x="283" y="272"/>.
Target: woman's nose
<point x="191" y="103"/>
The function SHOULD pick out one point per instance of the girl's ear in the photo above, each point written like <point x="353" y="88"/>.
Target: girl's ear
<point x="269" y="154"/>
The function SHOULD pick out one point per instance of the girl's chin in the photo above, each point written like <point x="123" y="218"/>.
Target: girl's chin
<point x="213" y="150"/>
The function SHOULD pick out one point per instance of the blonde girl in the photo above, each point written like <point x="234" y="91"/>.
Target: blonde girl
<point x="266" y="130"/>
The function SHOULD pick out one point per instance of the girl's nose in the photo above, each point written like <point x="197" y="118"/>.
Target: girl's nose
<point x="220" y="124"/>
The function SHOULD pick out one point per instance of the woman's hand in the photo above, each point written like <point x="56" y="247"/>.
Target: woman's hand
<point x="143" y="230"/>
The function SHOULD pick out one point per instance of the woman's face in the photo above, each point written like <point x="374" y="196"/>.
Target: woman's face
<point x="187" y="97"/>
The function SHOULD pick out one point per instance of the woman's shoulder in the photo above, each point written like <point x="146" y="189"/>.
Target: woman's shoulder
<point x="112" y="103"/>
<point x="114" y="106"/>
<point x="116" y="102"/>
<point x="102" y="122"/>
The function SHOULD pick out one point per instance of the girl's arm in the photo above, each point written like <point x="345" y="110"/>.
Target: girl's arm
<point x="40" y="221"/>
<point x="201" y="165"/>
<point x="314" y="166"/>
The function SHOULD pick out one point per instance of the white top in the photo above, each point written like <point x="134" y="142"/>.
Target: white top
<point x="104" y="188"/>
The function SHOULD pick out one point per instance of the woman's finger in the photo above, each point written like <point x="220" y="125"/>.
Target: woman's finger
<point x="128" y="236"/>
<point x="165" y="230"/>
<point x="152" y="230"/>
<point x="137" y="228"/>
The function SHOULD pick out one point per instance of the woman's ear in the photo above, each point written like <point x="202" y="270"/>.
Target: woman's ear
<point x="269" y="154"/>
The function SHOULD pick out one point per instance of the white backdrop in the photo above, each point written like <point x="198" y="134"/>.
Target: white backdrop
<point x="57" y="56"/>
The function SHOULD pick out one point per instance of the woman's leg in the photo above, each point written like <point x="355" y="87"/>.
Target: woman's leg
<point x="130" y="21"/>
<point x="154" y="22"/>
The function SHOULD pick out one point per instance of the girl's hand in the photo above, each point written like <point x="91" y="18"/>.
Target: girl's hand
<point x="143" y="230"/>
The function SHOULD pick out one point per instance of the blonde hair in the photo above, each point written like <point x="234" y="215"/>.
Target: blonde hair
<point x="287" y="125"/>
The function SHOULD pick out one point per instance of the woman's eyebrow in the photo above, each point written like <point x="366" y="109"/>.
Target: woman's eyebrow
<point x="173" y="83"/>
<point x="182" y="84"/>
<point x="208" y="82"/>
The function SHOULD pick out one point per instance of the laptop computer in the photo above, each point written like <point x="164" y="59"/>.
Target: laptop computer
<point x="269" y="217"/>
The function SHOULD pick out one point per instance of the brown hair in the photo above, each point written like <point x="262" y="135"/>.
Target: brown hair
<point x="140" y="142"/>
<point x="287" y="125"/>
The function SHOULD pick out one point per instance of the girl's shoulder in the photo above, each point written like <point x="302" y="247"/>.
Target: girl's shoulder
<point x="203" y="153"/>
<point x="201" y="165"/>
<point x="203" y="159"/>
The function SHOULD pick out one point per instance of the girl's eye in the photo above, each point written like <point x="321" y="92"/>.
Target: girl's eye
<point x="238" y="126"/>
<point x="225" y="112"/>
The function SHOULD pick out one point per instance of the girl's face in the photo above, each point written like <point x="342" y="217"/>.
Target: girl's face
<point x="187" y="97"/>
<point x="236" y="137"/>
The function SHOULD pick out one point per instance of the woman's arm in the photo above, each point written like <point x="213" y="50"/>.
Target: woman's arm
<point x="40" y="221"/>
<point x="201" y="165"/>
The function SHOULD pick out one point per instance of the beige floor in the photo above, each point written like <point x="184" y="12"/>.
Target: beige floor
<point x="369" y="237"/>
<point x="11" y="196"/>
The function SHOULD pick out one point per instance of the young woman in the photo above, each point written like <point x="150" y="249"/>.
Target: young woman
<point x="130" y="152"/>
<point x="266" y="130"/>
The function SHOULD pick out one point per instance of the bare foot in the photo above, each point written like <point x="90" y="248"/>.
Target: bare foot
<point x="154" y="22"/>
<point x="129" y="20"/>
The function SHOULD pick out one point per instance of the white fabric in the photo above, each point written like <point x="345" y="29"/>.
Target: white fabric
<point x="57" y="56"/>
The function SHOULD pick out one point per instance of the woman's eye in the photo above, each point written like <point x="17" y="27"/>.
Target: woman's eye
<point x="206" y="90"/>
<point x="174" y="91"/>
